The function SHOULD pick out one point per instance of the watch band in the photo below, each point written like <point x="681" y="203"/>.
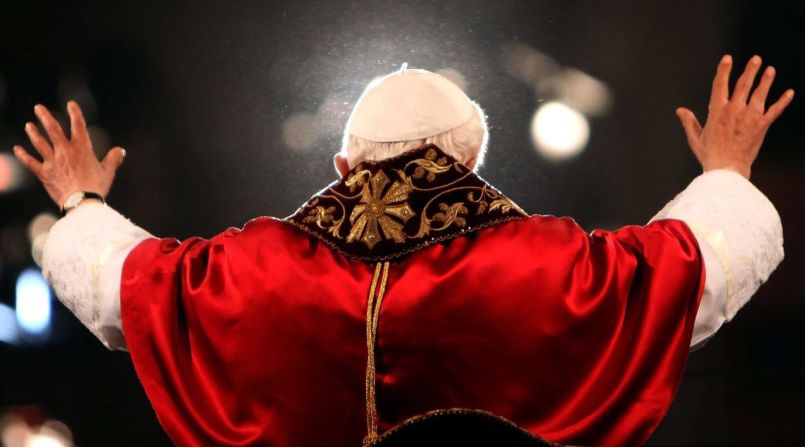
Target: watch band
<point x="74" y="199"/>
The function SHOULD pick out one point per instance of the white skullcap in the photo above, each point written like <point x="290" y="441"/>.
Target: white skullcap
<point x="408" y="105"/>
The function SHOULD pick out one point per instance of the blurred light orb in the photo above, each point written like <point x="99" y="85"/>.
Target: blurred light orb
<point x="454" y="76"/>
<point x="9" y="333"/>
<point x="15" y="432"/>
<point x="558" y="131"/>
<point x="301" y="131"/>
<point x="40" y="225"/>
<point x="11" y="173"/>
<point x="38" y="248"/>
<point x="578" y="90"/>
<point x="44" y="440"/>
<point x="528" y="64"/>
<point x="58" y="430"/>
<point x="33" y="302"/>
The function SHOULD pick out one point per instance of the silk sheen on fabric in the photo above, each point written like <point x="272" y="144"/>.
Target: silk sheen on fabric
<point x="257" y="336"/>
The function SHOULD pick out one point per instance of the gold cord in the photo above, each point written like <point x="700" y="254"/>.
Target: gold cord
<point x="372" y="319"/>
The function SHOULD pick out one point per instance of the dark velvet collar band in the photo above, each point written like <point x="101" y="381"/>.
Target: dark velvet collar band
<point x="383" y="210"/>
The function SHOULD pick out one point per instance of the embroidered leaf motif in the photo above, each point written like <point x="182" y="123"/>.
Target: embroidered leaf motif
<point x="324" y="219"/>
<point x="357" y="179"/>
<point x="451" y="214"/>
<point x="504" y="205"/>
<point x="431" y="167"/>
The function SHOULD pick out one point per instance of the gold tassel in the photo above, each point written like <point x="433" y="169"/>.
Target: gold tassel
<point x="372" y="320"/>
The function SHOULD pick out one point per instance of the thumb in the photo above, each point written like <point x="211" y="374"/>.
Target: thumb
<point x="691" y="126"/>
<point x="113" y="159"/>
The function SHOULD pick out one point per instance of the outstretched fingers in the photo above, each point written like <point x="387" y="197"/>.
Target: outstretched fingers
<point x="39" y="142"/>
<point x="744" y="84"/>
<point x="776" y="109"/>
<point x="113" y="159"/>
<point x="720" y="93"/>
<point x="78" y="125"/>
<point x="692" y="127"/>
<point x="30" y="163"/>
<point x="52" y="127"/>
<point x="758" y="100"/>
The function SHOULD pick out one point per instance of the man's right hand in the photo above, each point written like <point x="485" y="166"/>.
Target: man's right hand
<point x="736" y="125"/>
<point x="68" y="164"/>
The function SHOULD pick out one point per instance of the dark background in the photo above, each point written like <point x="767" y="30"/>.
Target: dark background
<point x="198" y="96"/>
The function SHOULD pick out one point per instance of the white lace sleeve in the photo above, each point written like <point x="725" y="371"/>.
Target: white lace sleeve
<point x="83" y="261"/>
<point x="741" y="237"/>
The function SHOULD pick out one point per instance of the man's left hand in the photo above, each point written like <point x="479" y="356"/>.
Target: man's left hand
<point x="68" y="164"/>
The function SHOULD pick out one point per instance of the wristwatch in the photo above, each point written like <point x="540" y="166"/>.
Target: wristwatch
<point x="77" y="197"/>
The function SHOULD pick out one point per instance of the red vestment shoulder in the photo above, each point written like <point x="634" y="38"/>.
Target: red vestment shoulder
<point x="258" y="336"/>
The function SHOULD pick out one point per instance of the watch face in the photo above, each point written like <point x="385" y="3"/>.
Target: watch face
<point x="73" y="200"/>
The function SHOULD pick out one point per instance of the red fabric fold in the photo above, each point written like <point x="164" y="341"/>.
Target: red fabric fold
<point x="257" y="336"/>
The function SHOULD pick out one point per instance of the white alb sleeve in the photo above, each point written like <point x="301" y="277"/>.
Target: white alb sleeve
<point x="83" y="261"/>
<point x="741" y="239"/>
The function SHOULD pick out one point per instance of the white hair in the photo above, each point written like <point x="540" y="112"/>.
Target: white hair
<point x="462" y="143"/>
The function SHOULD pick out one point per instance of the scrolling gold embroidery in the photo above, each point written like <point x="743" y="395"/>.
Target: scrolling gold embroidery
<point x="376" y="202"/>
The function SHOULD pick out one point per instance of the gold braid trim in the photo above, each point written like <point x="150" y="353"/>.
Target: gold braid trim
<point x="372" y="320"/>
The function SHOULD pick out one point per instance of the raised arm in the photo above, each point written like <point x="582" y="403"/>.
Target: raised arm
<point x="85" y="250"/>
<point x="68" y="164"/>
<point x="737" y="227"/>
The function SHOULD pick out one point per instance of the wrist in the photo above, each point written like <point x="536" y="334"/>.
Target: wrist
<point x="78" y="198"/>
<point x="84" y="202"/>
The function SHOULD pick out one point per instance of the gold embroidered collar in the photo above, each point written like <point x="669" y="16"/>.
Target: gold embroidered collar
<point x="382" y="210"/>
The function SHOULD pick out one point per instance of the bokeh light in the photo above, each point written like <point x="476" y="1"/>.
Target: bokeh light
<point x="577" y="90"/>
<point x="13" y="431"/>
<point x="18" y="429"/>
<point x="300" y="131"/>
<point x="9" y="332"/>
<point x="43" y="440"/>
<point x="11" y="173"/>
<point x="33" y="302"/>
<point x="527" y="64"/>
<point x="57" y="429"/>
<point x="559" y="132"/>
<point x="40" y="225"/>
<point x="38" y="233"/>
<point x="455" y="77"/>
<point x="38" y="248"/>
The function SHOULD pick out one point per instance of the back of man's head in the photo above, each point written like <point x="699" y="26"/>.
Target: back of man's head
<point x="408" y="108"/>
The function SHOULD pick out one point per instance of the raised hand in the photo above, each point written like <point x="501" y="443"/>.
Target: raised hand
<point x="68" y="164"/>
<point x="736" y="125"/>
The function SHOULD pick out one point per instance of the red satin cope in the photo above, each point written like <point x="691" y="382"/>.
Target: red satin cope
<point x="258" y="336"/>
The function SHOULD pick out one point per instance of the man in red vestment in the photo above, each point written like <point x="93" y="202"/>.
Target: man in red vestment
<point x="410" y="284"/>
